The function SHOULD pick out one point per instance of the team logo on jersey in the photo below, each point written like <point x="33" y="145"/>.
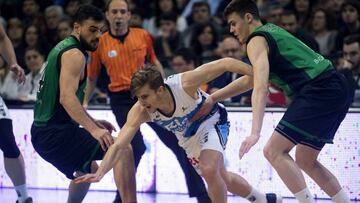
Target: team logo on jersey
<point x="112" y="53"/>
<point x="2" y="110"/>
<point x="205" y="138"/>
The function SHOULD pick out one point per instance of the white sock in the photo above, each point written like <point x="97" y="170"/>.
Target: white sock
<point x="21" y="191"/>
<point x="341" y="197"/>
<point x="256" y="196"/>
<point x="304" y="196"/>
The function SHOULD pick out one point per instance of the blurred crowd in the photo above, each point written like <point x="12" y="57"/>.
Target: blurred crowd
<point x="186" y="34"/>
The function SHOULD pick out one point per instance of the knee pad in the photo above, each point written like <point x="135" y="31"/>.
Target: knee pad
<point x="7" y="139"/>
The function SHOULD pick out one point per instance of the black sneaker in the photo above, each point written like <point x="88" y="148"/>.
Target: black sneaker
<point x="117" y="198"/>
<point x="273" y="198"/>
<point x="28" y="200"/>
<point x="203" y="199"/>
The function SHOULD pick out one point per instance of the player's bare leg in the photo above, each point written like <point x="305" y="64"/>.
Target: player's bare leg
<point x="210" y="164"/>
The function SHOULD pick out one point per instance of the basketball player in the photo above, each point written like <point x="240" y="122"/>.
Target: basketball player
<point x="320" y="100"/>
<point x="171" y="104"/>
<point x="13" y="160"/>
<point x="55" y="133"/>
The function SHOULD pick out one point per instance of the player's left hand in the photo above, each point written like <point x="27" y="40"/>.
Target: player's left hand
<point x="106" y="125"/>
<point x="247" y="144"/>
<point x="88" y="178"/>
<point x="19" y="72"/>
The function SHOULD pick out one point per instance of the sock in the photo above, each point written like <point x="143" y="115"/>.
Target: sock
<point x="304" y="196"/>
<point x="21" y="191"/>
<point x="341" y="197"/>
<point x="256" y="196"/>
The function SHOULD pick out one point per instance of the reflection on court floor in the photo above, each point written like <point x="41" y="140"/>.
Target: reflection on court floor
<point x="8" y="195"/>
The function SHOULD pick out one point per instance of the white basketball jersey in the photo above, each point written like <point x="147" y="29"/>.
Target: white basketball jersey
<point x="185" y="107"/>
<point x="4" y="112"/>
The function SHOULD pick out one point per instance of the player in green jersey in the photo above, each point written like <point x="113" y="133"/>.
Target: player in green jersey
<point x="320" y="98"/>
<point x="58" y="112"/>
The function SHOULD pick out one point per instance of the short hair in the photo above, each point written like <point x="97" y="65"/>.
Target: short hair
<point x="186" y="54"/>
<point x="328" y="17"/>
<point x="241" y="7"/>
<point x="289" y="12"/>
<point x="56" y="8"/>
<point x="355" y="38"/>
<point x="200" y="4"/>
<point x="67" y="20"/>
<point x="108" y="2"/>
<point x="166" y="16"/>
<point x="35" y="1"/>
<point x="353" y="3"/>
<point x="35" y="48"/>
<point x="138" y="11"/>
<point x="148" y="75"/>
<point x="86" y="12"/>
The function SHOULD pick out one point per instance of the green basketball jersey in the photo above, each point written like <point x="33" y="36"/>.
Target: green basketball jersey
<point x="47" y="107"/>
<point x="292" y="63"/>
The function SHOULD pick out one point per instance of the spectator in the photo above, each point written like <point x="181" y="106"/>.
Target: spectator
<point x="31" y="11"/>
<point x="71" y="6"/>
<point x="274" y="14"/>
<point x="164" y="7"/>
<point x="53" y="14"/>
<point x="230" y="47"/>
<point x="169" y="39"/>
<point x="31" y="35"/>
<point x="137" y="18"/>
<point x="350" y="14"/>
<point x="213" y="6"/>
<point x="302" y="9"/>
<point x="204" y="42"/>
<point x="333" y="7"/>
<point x="184" y="60"/>
<point x="351" y="61"/>
<point x="32" y="39"/>
<point x="200" y="14"/>
<point x="322" y="29"/>
<point x="181" y="5"/>
<point x="15" y="31"/>
<point x="289" y="22"/>
<point x="64" y="28"/>
<point x="34" y="60"/>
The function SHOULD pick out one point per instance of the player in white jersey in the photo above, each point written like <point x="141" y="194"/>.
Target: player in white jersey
<point x="13" y="159"/>
<point x="171" y="104"/>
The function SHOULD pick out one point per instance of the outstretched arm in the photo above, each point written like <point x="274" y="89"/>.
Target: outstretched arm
<point x="236" y="87"/>
<point x="136" y="116"/>
<point x="258" y="54"/>
<point x="191" y="80"/>
<point x="7" y="51"/>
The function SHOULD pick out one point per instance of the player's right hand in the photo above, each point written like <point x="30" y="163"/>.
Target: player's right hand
<point x="104" y="137"/>
<point x="88" y="178"/>
<point x="204" y="110"/>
